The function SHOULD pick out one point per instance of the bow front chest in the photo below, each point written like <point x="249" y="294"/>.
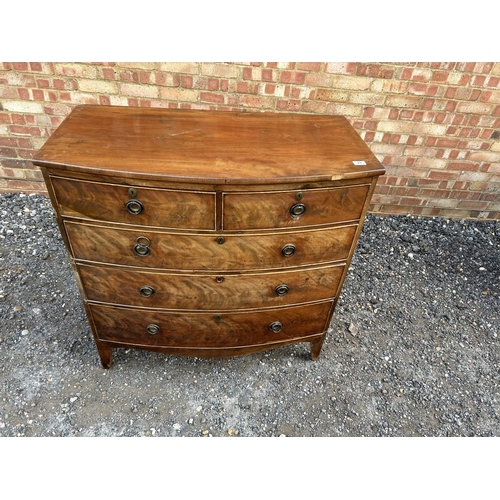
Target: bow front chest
<point x="207" y="233"/>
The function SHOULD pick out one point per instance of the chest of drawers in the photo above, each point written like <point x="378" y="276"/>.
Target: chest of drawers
<point x="207" y="233"/>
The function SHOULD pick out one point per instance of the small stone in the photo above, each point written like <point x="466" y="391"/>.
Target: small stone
<point x="25" y="332"/>
<point x="482" y="269"/>
<point x="410" y="256"/>
<point x="205" y="432"/>
<point x="177" y="427"/>
<point x="73" y="399"/>
<point x="199" y="408"/>
<point x="353" y="329"/>
<point x="18" y="309"/>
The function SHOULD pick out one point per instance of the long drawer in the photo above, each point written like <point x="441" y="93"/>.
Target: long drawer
<point x="175" y="251"/>
<point x="138" y="206"/>
<point x="116" y="285"/>
<point x="225" y="329"/>
<point x="293" y="208"/>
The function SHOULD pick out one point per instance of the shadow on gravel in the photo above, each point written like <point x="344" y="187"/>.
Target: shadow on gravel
<point x="413" y="348"/>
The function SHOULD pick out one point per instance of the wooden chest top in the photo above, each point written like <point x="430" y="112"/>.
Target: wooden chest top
<point x="208" y="147"/>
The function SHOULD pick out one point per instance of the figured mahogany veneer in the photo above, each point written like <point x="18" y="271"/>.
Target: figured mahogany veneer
<point x="207" y="233"/>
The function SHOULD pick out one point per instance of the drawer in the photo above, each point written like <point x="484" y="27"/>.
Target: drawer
<point x="150" y="207"/>
<point x="293" y="208"/>
<point x="208" y="291"/>
<point x="208" y="330"/>
<point x="165" y="250"/>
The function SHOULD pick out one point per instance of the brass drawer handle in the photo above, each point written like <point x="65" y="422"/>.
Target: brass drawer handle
<point x="153" y="329"/>
<point x="147" y="291"/>
<point x="297" y="210"/>
<point x="142" y="246"/>
<point x="281" y="290"/>
<point x="135" y="207"/>
<point x="288" y="250"/>
<point x="276" y="327"/>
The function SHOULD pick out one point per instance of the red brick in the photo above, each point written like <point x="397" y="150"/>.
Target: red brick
<point x="108" y="73"/>
<point x="145" y="77"/>
<point x="436" y="174"/>
<point x="212" y="97"/>
<point x="257" y="101"/>
<point x="247" y="74"/>
<point x="493" y="81"/>
<point x="368" y="112"/>
<point x="24" y="94"/>
<point x="20" y="66"/>
<point x="35" y="66"/>
<point x="267" y="75"/>
<point x="309" y="66"/>
<point x="43" y="83"/>
<point x="129" y="76"/>
<point x="187" y="81"/>
<point x="290" y="105"/>
<point x="18" y="129"/>
<point x="440" y="76"/>
<point x="269" y="89"/>
<point x="213" y="84"/>
<point x="292" y="77"/>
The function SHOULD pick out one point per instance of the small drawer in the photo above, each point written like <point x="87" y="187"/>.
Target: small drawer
<point x="141" y="327"/>
<point x="205" y="252"/>
<point x="285" y="209"/>
<point x="135" y="205"/>
<point x="208" y="291"/>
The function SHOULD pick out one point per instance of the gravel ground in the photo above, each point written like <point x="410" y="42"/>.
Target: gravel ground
<point x="413" y="348"/>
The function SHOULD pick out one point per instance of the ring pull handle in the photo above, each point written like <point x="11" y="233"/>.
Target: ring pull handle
<point x="153" y="329"/>
<point x="288" y="250"/>
<point x="147" y="291"/>
<point x="135" y="207"/>
<point x="276" y="326"/>
<point x="297" y="210"/>
<point x="281" y="290"/>
<point x="142" y="246"/>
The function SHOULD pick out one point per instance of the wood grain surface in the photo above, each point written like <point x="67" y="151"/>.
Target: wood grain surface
<point x="272" y="210"/>
<point x="208" y="291"/>
<point x="225" y="329"/>
<point x="177" y="251"/>
<point x="208" y="146"/>
<point x="161" y="207"/>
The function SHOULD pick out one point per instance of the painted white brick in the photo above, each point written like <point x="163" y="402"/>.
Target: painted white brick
<point x="23" y="106"/>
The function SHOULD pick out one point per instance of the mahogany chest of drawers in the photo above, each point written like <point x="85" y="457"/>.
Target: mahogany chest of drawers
<point x="207" y="233"/>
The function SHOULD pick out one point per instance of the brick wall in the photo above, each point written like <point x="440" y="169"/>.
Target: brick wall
<point x="435" y="126"/>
